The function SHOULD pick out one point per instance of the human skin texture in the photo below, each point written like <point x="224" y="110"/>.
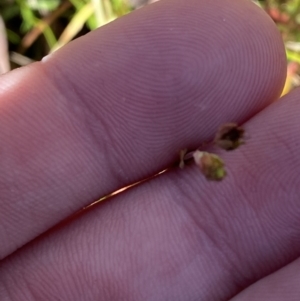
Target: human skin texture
<point x="115" y="107"/>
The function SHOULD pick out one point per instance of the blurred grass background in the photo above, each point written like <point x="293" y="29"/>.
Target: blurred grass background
<point x="30" y="29"/>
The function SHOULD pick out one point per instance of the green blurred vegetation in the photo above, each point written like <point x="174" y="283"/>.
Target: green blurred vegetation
<point x="286" y="15"/>
<point x="36" y="27"/>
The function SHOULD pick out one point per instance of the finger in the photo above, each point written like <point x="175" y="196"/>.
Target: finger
<point x="281" y="285"/>
<point x="117" y="105"/>
<point x="180" y="237"/>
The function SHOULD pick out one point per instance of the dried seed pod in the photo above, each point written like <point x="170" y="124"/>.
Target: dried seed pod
<point x="211" y="165"/>
<point x="182" y="153"/>
<point x="229" y="136"/>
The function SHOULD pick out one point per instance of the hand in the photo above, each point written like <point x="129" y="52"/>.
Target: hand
<point x="115" y="107"/>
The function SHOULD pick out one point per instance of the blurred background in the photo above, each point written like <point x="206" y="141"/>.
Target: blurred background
<point x="30" y="29"/>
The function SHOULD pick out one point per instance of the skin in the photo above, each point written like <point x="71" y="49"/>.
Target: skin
<point x="115" y="107"/>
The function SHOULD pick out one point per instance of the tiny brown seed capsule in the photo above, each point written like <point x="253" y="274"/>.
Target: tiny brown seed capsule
<point x="229" y="136"/>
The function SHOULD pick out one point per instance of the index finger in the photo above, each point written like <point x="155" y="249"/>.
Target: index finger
<point x="117" y="105"/>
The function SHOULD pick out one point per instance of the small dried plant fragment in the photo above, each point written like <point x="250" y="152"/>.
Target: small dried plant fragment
<point x="211" y="165"/>
<point x="182" y="157"/>
<point x="229" y="137"/>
